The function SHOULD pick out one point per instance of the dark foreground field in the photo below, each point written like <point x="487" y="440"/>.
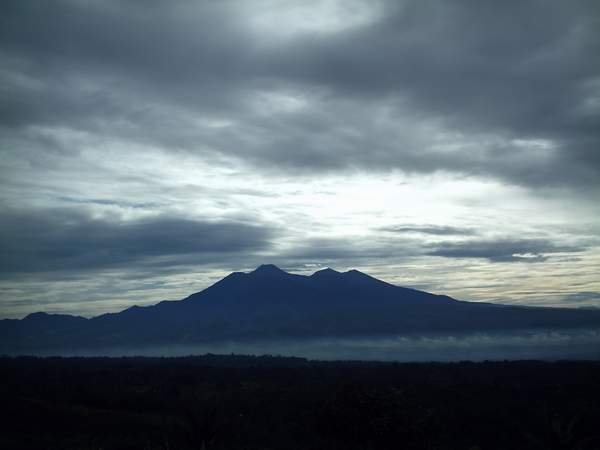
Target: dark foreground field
<point x="231" y="402"/>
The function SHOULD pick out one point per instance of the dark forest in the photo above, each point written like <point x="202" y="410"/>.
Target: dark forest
<point x="249" y="402"/>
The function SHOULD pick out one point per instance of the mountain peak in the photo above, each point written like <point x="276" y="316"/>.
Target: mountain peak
<point x="44" y="317"/>
<point x="325" y="272"/>
<point x="36" y="315"/>
<point x="355" y="272"/>
<point x="358" y="275"/>
<point x="268" y="268"/>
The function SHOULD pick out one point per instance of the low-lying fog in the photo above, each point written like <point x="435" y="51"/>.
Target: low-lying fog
<point x="549" y="345"/>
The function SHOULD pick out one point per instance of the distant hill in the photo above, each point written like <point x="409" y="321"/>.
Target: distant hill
<point x="269" y="303"/>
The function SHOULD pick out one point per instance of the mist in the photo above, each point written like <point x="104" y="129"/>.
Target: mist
<point x="539" y="345"/>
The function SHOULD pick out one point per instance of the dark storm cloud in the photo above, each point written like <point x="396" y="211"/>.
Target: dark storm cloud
<point x="514" y="87"/>
<point x="436" y="230"/>
<point x="359" y="251"/>
<point x="106" y="202"/>
<point x="58" y="239"/>
<point x="503" y="250"/>
<point x="577" y="297"/>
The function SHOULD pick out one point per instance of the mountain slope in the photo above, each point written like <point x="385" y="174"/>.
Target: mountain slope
<point x="271" y="303"/>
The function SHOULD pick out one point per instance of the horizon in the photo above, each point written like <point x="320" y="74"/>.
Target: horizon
<point x="325" y="315"/>
<point x="149" y="149"/>
<point x="263" y="267"/>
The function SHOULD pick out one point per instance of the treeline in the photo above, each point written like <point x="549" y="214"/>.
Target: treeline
<point x="246" y="402"/>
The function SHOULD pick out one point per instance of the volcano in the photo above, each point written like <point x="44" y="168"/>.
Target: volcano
<point x="269" y="303"/>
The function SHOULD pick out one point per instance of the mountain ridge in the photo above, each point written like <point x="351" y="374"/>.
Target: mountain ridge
<point x="269" y="302"/>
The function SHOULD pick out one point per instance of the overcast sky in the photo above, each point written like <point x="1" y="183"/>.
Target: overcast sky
<point x="148" y="148"/>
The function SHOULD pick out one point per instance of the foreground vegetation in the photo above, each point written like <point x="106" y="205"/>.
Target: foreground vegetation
<point x="239" y="402"/>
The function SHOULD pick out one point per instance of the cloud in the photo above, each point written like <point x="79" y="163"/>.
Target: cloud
<point x="436" y="230"/>
<point x="108" y="202"/>
<point x="221" y="125"/>
<point x="71" y="240"/>
<point x="503" y="250"/>
<point x="498" y="89"/>
<point x="582" y="297"/>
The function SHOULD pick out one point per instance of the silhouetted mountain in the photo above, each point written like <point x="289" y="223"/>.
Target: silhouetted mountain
<point x="271" y="303"/>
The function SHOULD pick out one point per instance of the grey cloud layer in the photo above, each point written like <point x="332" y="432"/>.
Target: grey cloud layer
<point x="374" y="248"/>
<point x="583" y="297"/>
<point x="502" y="250"/>
<point x="436" y="230"/>
<point x="55" y="240"/>
<point x="138" y="137"/>
<point x="507" y="89"/>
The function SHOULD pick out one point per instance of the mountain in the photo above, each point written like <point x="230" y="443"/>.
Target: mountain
<point x="270" y="303"/>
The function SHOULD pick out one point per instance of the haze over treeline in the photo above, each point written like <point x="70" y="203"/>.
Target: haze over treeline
<point x="224" y="402"/>
<point x="327" y="315"/>
<point x="147" y="149"/>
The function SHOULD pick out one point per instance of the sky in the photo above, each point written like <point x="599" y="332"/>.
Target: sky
<point x="149" y="148"/>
